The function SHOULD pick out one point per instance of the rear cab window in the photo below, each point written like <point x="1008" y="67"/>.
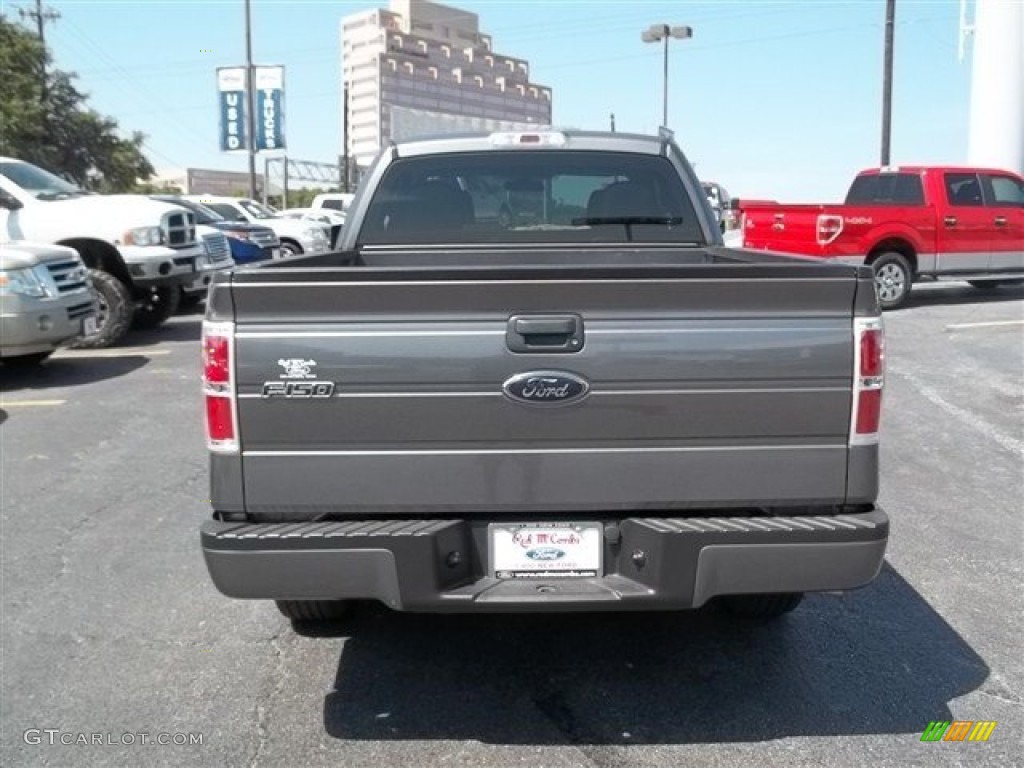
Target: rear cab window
<point x="1003" y="191"/>
<point x="886" y="189"/>
<point x="523" y="196"/>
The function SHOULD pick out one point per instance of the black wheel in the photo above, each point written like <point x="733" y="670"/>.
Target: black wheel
<point x="893" y="279"/>
<point x="991" y="285"/>
<point x="27" y="361"/>
<point x="313" y="610"/>
<point x="161" y="304"/>
<point x="290" y="248"/>
<point x="761" y="606"/>
<point x="114" y="312"/>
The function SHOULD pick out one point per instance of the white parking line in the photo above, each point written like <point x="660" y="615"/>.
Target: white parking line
<point x="1001" y="323"/>
<point x="29" y="403"/>
<point x="969" y="419"/>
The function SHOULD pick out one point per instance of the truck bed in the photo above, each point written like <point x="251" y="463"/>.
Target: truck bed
<point x="717" y="378"/>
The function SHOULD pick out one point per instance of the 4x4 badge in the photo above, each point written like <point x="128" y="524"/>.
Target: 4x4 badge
<point x="297" y="368"/>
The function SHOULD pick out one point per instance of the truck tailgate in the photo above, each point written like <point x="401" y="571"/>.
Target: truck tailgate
<point x="710" y="385"/>
<point x="788" y="228"/>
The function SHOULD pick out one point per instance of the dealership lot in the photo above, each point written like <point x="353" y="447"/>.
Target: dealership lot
<point x="111" y="626"/>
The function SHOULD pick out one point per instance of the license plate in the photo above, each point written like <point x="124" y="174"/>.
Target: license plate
<point x="89" y="326"/>
<point x="275" y="253"/>
<point x="545" y="550"/>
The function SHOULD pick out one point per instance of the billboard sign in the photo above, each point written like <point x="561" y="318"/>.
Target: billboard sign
<point x="269" y="99"/>
<point x="231" y="97"/>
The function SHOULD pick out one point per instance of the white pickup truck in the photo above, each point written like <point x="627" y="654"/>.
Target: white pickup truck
<point x="139" y="252"/>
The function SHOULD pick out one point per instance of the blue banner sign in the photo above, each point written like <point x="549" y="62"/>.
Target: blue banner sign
<point x="231" y="96"/>
<point x="269" y="101"/>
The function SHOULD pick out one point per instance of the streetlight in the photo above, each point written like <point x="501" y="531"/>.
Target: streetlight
<point x="658" y="32"/>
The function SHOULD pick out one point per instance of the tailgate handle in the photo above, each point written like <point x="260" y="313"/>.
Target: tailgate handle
<point x="545" y="333"/>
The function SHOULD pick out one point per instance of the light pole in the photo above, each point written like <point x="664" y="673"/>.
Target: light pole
<point x="250" y="109"/>
<point x="664" y="32"/>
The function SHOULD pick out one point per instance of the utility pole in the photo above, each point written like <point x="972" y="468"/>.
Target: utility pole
<point x="890" y="23"/>
<point x="250" y="86"/>
<point x="613" y="122"/>
<point x="41" y="16"/>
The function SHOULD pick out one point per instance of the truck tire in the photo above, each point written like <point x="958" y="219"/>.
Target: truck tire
<point x="769" y="606"/>
<point x="114" y="317"/>
<point x="161" y="305"/>
<point x="313" y="610"/>
<point x="27" y="361"/>
<point x="893" y="279"/>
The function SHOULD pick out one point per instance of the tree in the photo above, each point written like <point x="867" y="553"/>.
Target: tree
<point x="47" y="121"/>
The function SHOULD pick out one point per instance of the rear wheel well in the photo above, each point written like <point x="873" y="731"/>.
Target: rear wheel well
<point x="98" y="254"/>
<point x="901" y="247"/>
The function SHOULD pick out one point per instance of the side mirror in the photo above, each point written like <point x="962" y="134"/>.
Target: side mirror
<point x="9" y="201"/>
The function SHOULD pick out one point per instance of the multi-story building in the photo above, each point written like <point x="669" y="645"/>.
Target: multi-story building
<point x="420" y="68"/>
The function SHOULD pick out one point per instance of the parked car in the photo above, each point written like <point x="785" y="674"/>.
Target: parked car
<point x="249" y="243"/>
<point x="721" y="205"/>
<point x="908" y="223"/>
<point x="216" y="259"/>
<point x="336" y="201"/>
<point x="45" y="300"/>
<point x="296" y="236"/>
<point x="331" y="220"/>
<point x="600" y="408"/>
<point x="325" y="216"/>
<point x="139" y="251"/>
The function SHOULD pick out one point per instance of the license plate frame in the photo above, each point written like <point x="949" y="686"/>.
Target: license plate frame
<point x="563" y="550"/>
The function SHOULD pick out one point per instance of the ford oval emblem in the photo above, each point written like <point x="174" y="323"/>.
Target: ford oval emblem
<point x="545" y="553"/>
<point x="546" y="388"/>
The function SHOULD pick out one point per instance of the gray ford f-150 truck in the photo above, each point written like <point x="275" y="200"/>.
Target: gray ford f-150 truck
<point x="595" y="407"/>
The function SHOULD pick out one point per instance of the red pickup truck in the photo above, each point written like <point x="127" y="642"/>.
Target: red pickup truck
<point x="908" y="222"/>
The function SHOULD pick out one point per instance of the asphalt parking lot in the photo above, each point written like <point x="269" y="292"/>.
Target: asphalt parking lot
<point x="110" y="624"/>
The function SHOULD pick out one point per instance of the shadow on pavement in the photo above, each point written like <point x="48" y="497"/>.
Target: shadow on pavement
<point x="179" y="328"/>
<point x="69" y="372"/>
<point x="951" y="293"/>
<point x="878" y="660"/>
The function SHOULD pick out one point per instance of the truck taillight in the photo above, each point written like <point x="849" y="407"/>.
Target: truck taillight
<point x="828" y="228"/>
<point x="219" y="386"/>
<point x="868" y="380"/>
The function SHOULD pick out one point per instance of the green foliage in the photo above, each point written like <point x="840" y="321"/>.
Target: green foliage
<point x="51" y="125"/>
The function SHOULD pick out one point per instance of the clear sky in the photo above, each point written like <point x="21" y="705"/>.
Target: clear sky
<point x="771" y="99"/>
